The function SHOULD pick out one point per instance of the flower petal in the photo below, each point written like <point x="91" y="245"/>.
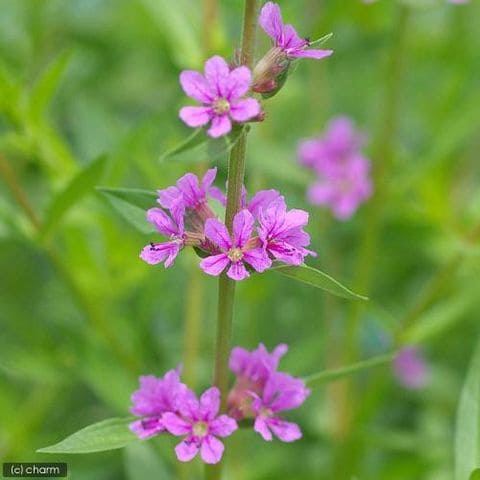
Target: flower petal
<point x="217" y="74"/>
<point x="244" y="109"/>
<point x="312" y="53"/>
<point x="195" y="116"/>
<point x="242" y="228"/>
<point x="221" y="125"/>
<point x="211" y="449"/>
<point x="210" y="403"/>
<point x="195" y="86"/>
<point x="163" y="223"/>
<point x="146" y="428"/>
<point x="209" y="178"/>
<point x="270" y="20"/>
<point x="218" y="195"/>
<point x="237" y="271"/>
<point x="285" y="431"/>
<point x="215" y="264"/>
<point x="186" y="450"/>
<point x="158" y="252"/>
<point x="291" y="40"/>
<point x="175" y="425"/>
<point x="258" y="259"/>
<point x="217" y="232"/>
<point x="238" y="83"/>
<point x="223" y="426"/>
<point x="261" y="200"/>
<point x="261" y="427"/>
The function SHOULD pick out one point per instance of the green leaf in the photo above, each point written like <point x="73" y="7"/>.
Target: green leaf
<point x="99" y="437"/>
<point x="467" y="430"/>
<point x="81" y="184"/>
<point x="199" y="147"/>
<point x="326" y="376"/>
<point x="319" y="279"/>
<point x="43" y="91"/>
<point x="131" y="204"/>
<point x="142" y="462"/>
<point x="475" y="475"/>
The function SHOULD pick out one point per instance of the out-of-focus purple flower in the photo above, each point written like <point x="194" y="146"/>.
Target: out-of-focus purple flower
<point x="221" y="92"/>
<point x="343" y="173"/>
<point x="155" y="397"/>
<point x="256" y="366"/>
<point x="285" y="37"/>
<point x="262" y="199"/>
<point x="411" y="368"/>
<point x="234" y="252"/>
<point x="200" y="423"/>
<point x="282" y="233"/>
<point x="282" y="392"/>
<point x="173" y="229"/>
<point x="344" y="190"/>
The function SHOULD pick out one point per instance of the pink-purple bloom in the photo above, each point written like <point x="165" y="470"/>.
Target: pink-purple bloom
<point x="173" y="229"/>
<point x="235" y="250"/>
<point x="198" y="421"/>
<point x="281" y="232"/>
<point x="282" y="392"/>
<point x="155" y="397"/>
<point x="262" y="392"/>
<point x="263" y="231"/>
<point x="285" y="37"/>
<point x="343" y="172"/>
<point x="411" y="368"/>
<point x="221" y="92"/>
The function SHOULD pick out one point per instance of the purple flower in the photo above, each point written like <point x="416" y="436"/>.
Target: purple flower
<point x="173" y="229"/>
<point x="221" y="92"/>
<point x="155" y="397"/>
<point x="285" y="37"/>
<point x="282" y="392"/>
<point x="343" y="173"/>
<point x="201" y="425"/>
<point x="258" y="365"/>
<point x="410" y="368"/>
<point x="234" y="252"/>
<point x="282" y="234"/>
<point x="260" y="200"/>
<point x="345" y="189"/>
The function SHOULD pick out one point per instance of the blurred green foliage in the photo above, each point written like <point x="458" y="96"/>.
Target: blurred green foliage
<point x="89" y="97"/>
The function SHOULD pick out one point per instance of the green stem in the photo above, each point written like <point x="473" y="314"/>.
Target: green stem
<point x="326" y="376"/>
<point x="226" y="286"/>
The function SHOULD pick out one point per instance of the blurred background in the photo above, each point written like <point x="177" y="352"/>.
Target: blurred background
<point x="92" y="86"/>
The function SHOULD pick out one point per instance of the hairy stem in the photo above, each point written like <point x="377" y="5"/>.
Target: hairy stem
<point x="226" y="286"/>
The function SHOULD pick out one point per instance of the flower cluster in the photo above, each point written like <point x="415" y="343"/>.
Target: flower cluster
<point x="263" y="230"/>
<point x="166" y="405"/>
<point x="343" y="173"/>
<point x="223" y="89"/>
<point x="411" y="368"/>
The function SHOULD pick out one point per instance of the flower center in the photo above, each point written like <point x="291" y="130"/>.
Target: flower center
<point x="221" y="106"/>
<point x="200" y="429"/>
<point x="265" y="412"/>
<point x="235" y="254"/>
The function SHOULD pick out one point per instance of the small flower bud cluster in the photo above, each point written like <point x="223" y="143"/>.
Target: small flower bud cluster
<point x="166" y="405"/>
<point x="263" y="230"/>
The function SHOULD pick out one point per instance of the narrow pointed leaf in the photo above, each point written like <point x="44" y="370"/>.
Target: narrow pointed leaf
<point x="317" y="278"/>
<point x="81" y="184"/>
<point x="132" y="205"/>
<point x="326" y="376"/>
<point x="106" y="435"/>
<point x="467" y="430"/>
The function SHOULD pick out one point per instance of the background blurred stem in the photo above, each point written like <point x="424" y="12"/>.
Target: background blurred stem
<point x="236" y="175"/>
<point x="95" y="319"/>
<point x="382" y="156"/>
